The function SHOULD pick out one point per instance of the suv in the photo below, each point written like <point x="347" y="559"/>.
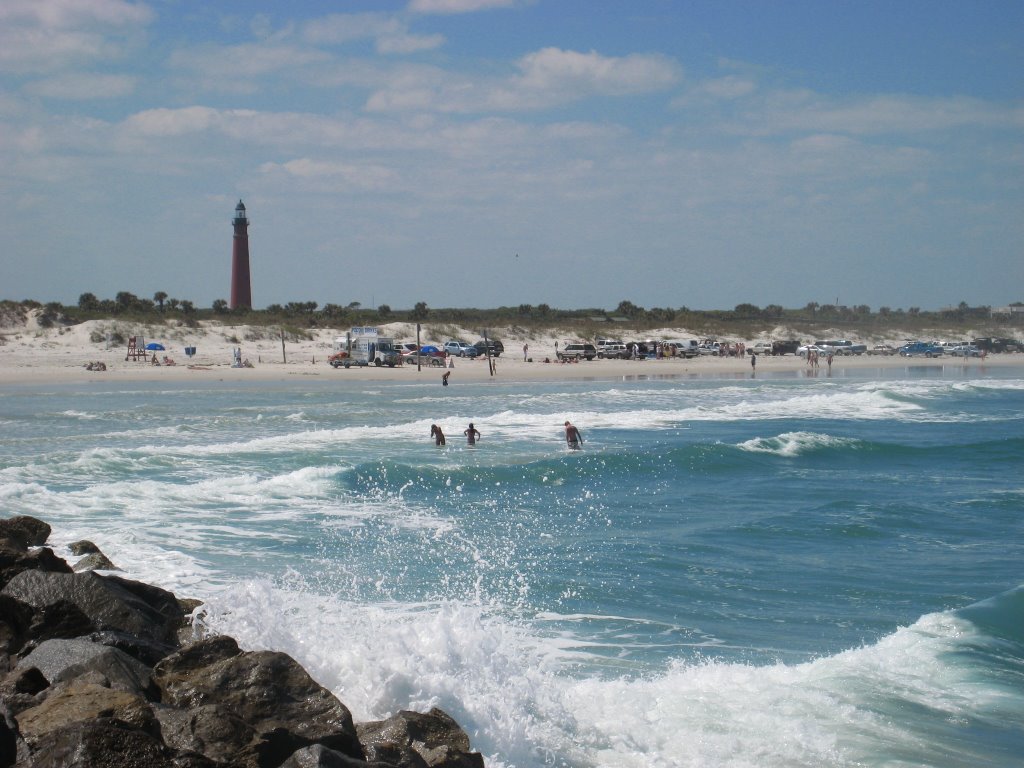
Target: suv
<point x="577" y="351"/>
<point x="495" y="347"/>
<point x="460" y="349"/>
<point x="612" y="349"/>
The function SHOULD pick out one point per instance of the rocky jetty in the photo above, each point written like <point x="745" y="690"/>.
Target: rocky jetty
<point x="98" y="670"/>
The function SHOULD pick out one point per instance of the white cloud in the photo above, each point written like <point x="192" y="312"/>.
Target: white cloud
<point x="84" y="86"/>
<point x="390" y="34"/>
<point x="459" y="6"/>
<point x="366" y="176"/>
<point x="41" y="36"/>
<point x="547" y="78"/>
<point x="557" y="70"/>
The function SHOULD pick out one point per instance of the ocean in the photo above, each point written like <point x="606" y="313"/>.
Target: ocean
<point x="773" y="571"/>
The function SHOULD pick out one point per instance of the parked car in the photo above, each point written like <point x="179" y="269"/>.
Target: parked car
<point x="685" y="347"/>
<point x="785" y="347"/>
<point x="882" y="349"/>
<point x="460" y="349"/>
<point x="965" y="350"/>
<point x="425" y="355"/>
<point x="496" y="347"/>
<point x="807" y="348"/>
<point x="407" y="348"/>
<point x="337" y="360"/>
<point x="577" y="351"/>
<point x="612" y="350"/>
<point x="761" y="348"/>
<point x="921" y="349"/>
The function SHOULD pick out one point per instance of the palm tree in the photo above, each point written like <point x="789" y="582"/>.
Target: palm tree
<point x="159" y="297"/>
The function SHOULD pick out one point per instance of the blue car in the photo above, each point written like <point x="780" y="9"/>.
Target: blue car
<point x="921" y="348"/>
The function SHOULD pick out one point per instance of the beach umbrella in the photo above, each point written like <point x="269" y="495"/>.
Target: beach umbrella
<point x="155" y="347"/>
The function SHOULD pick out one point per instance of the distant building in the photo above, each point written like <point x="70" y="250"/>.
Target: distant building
<point x="241" y="284"/>
<point x="1010" y="311"/>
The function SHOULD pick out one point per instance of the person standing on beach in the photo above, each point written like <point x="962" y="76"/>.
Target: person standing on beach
<point x="472" y="434"/>
<point x="753" y="361"/>
<point x="444" y="378"/>
<point x="573" y="438"/>
<point x="437" y="434"/>
<point x="526" y="349"/>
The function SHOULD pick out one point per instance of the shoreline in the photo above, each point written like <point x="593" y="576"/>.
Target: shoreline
<point x="42" y="369"/>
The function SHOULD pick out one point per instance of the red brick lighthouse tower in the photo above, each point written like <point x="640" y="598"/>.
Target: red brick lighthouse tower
<point x="241" y="285"/>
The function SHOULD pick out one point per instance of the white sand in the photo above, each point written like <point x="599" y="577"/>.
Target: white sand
<point x="33" y="355"/>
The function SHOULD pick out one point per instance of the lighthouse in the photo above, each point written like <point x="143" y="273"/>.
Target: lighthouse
<point x="241" y="285"/>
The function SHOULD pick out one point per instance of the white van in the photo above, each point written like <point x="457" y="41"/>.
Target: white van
<point x="685" y="347"/>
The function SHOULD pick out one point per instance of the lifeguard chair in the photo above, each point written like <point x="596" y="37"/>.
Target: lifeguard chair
<point x="136" y="349"/>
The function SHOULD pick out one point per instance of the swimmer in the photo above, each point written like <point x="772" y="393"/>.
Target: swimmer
<point x="573" y="438"/>
<point x="437" y="434"/>
<point x="472" y="434"/>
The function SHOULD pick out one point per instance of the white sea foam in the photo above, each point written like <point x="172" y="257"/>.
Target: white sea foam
<point x="795" y="443"/>
<point x="513" y="690"/>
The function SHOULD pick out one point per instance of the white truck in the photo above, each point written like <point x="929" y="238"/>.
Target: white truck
<point x="363" y="345"/>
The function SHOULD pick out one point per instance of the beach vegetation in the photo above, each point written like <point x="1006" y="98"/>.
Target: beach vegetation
<point x="745" y="320"/>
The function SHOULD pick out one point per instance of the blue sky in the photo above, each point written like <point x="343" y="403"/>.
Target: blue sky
<point x="503" y="152"/>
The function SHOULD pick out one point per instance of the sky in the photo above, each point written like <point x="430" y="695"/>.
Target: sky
<point x="487" y="153"/>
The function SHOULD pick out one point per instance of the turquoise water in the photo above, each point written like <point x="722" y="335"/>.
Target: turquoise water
<point x="779" y="571"/>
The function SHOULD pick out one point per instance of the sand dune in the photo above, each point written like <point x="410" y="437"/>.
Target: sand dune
<point x="32" y="355"/>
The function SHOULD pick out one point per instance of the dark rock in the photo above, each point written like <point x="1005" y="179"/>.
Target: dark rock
<point x="319" y="756"/>
<point x="97" y="561"/>
<point x="15" y="558"/>
<point x="83" y="547"/>
<point x="59" y="619"/>
<point x="402" y="755"/>
<point x="435" y="737"/>
<point x="61" y="660"/>
<point x="102" y="743"/>
<point x="8" y="738"/>
<point x="149" y="652"/>
<point x="81" y="704"/>
<point x="267" y="691"/>
<point x="28" y="530"/>
<point x="210" y="730"/>
<point x="29" y="681"/>
<point x="109" y="602"/>
<point x="15" y="620"/>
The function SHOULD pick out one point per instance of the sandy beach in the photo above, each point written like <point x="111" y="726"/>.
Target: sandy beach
<point x="33" y="355"/>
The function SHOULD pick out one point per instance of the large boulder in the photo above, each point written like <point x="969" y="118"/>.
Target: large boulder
<point x="30" y="531"/>
<point x="109" y="602"/>
<point x="15" y="620"/>
<point x="61" y="660"/>
<point x="267" y="691"/>
<point x="107" y="743"/>
<point x="319" y="756"/>
<point x="16" y="558"/>
<point x="95" y="561"/>
<point x="210" y="730"/>
<point x="78" y="704"/>
<point x="435" y="737"/>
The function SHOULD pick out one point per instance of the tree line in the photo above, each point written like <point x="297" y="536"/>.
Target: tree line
<point x="128" y="306"/>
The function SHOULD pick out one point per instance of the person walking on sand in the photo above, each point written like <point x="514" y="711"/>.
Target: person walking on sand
<point x="573" y="438"/>
<point x="472" y="434"/>
<point x="437" y="434"/>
